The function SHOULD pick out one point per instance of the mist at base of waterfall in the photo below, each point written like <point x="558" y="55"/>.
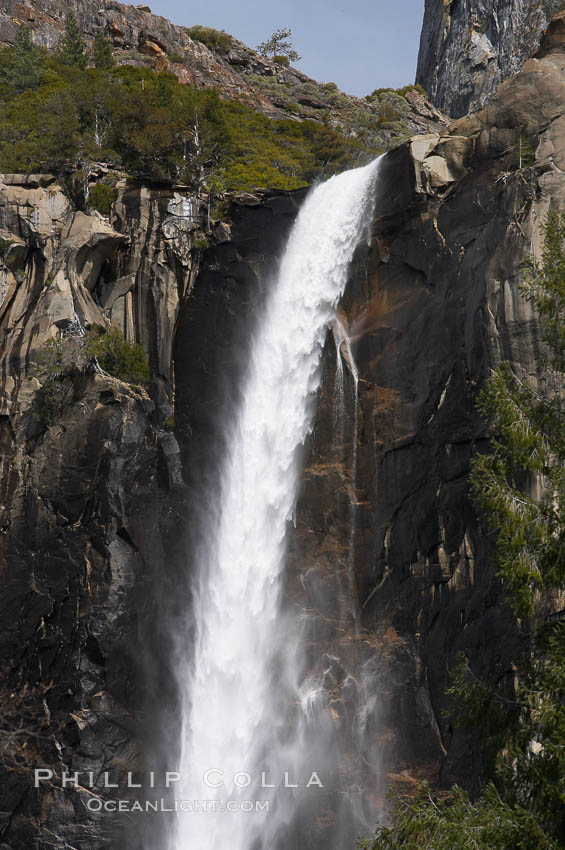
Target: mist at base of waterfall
<point x="254" y="722"/>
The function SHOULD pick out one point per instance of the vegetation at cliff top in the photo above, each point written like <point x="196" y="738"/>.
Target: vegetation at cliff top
<point x="279" y="46"/>
<point x="519" y="716"/>
<point x="59" y="117"/>
<point x="214" y="39"/>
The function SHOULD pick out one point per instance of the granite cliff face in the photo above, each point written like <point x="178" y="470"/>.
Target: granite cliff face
<point x="71" y="571"/>
<point x="97" y="507"/>
<point x="434" y="303"/>
<point x="468" y="47"/>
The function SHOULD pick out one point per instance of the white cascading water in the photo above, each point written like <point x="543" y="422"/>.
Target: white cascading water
<point x="233" y="721"/>
<point x="344" y="355"/>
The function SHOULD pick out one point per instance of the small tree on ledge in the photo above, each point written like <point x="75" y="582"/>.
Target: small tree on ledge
<point x="278" y="45"/>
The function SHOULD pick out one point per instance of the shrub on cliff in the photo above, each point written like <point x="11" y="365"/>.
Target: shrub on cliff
<point x="120" y="358"/>
<point x="413" y="87"/>
<point x="72" y="353"/>
<point x="214" y="39"/>
<point x="101" y="198"/>
<point x="58" y="362"/>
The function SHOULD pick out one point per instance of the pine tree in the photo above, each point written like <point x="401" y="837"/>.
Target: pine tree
<point x="521" y="481"/>
<point x="24" y="71"/>
<point x="72" y="50"/>
<point x="278" y="45"/>
<point x="102" y="52"/>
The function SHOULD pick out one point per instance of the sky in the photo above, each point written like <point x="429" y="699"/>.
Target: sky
<point x="359" y="44"/>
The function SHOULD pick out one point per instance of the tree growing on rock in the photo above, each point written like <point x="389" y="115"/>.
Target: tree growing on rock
<point x="279" y="45"/>
<point x="102" y="52"/>
<point x="25" y="68"/>
<point x="71" y="51"/>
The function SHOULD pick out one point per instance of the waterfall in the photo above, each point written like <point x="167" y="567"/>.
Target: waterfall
<point x="245" y="720"/>
<point x="344" y="355"/>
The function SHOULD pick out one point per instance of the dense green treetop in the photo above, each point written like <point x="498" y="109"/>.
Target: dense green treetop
<point x="102" y="51"/>
<point x="22" y="68"/>
<point x="72" y="50"/>
<point x="152" y="127"/>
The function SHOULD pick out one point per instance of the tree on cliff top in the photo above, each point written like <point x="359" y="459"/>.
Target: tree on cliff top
<point x="520" y="484"/>
<point x="279" y="45"/>
<point x="71" y="51"/>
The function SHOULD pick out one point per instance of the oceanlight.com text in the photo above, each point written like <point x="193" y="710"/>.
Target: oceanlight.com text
<point x="95" y="804"/>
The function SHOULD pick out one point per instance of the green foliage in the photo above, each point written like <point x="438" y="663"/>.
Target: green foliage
<point x="376" y="93"/>
<point x="214" y="39"/>
<point x="524" y="153"/>
<point x="379" y="94"/>
<point x="390" y="107"/>
<point x="120" y="358"/>
<point x="102" y="52"/>
<point x="60" y="360"/>
<point x="455" y="823"/>
<point x="71" y="51"/>
<point x="521" y="482"/>
<point x="535" y="771"/>
<point x="154" y="128"/>
<point x="490" y="710"/>
<point x="544" y="285"/>
<point x="101" y="198"/>
<point x="64" y="355"/>
<point x="49" y="400"/>
<point x="73" y="353"/>
<point x="281" y="60"/>
<point x="279" y="45"/>
<point x="23" y="66"/>
<point x="520" y="453"/>
<point x="416" y="87"/>
<point x="39" y="130"/>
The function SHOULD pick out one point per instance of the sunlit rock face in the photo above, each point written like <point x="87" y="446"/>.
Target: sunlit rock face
<point x="468" y="47"/>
